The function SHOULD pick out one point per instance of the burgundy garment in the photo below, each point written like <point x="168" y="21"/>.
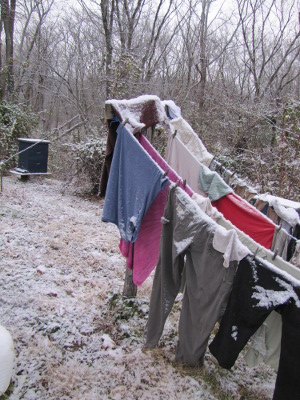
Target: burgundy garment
<point x="110" y="145"/>
<point x="247" y="218"/>
<point x="142" y="255"/>
<point x="146" y="110"/>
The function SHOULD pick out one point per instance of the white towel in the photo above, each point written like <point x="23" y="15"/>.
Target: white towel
<point x="228" y="243"/>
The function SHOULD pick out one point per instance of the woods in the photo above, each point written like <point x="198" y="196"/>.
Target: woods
<point x="232" y="68"/>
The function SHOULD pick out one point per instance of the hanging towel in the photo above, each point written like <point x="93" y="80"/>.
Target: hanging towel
<point x="246" y="218"/>
<point x="212" y="184"/>
<point x="183" y="162"/>
<point x="228" y="243"/>
<point x="191" y="140"/>
<point x="134" y="182"/>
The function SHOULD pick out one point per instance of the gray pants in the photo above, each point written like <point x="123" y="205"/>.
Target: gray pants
<point x="188" y="232"/>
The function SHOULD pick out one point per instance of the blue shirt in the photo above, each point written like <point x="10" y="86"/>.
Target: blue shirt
<point x="134" y="182"/>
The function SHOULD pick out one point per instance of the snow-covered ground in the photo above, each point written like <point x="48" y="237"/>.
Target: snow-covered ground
<point x="75" y="336"/>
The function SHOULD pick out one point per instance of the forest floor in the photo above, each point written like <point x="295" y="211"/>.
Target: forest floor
<point x="75" y="337"/>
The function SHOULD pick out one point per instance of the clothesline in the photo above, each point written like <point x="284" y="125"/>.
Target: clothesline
<point x="183" y="227"/>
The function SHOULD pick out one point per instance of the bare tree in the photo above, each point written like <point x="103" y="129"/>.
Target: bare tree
<point x="8" y="10"/>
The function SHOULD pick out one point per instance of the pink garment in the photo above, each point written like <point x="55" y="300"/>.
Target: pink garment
<point x="142" y="255"/>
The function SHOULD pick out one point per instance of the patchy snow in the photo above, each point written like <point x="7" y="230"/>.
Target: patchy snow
<point x="75" y="336"/>
<point x="234" y="333"/>
<point x="271" y="298"/>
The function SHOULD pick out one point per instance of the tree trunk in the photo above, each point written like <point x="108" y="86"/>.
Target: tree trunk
<point x="8" y="20"/>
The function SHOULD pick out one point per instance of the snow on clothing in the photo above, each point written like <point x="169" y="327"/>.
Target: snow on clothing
<point x="134" y="182"/>
<point x="144" y="111"/>
<point x="246" y="218"/>
<point x="212" y="184"/>
<point x="258" y="289"/>
<point x="173" y="110"/>
<point x="205" y="204"/>
<point x="188" y="232"/>
<point x="191" y="140"/>
<point x="183" y="162"/>
<point x="141" y="112"/>
<point x="143" y="255"/>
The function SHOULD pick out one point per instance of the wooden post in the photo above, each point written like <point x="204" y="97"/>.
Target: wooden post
<point x="129" y="289"/>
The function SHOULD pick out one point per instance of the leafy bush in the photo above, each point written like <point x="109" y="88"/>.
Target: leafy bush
<point x="87" y="158"/>
<point x="14" y="122"/>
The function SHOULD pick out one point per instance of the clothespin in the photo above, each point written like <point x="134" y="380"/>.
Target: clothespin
<point x="280" y="226"/>
<point x="176" y="184"/>
<point x="124" y="122"/>
<point x="184" y="183"/>
<point x="275" y="254"/>
<point x="165" y="173"/>
<point x="255" y="254"/>
<point x="175" y="133"/>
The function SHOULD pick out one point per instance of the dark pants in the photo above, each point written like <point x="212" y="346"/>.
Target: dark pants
<point x="257" y="290"/>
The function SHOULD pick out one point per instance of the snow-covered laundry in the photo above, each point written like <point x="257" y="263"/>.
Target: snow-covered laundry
<point x="140" y="112"/>
<point x="183" y="162"/>
<point x="188" y="232"/>
<point x="191" y="140"/>
<point x="246" y="218"/>
<point x="228" y="243"/>
<point x="142" y="256"/>
<point x="173" y="110"/>
<point x="212" y="184"/>
<point x="258" y="289"/>
<point x="205" y="204"/>
<point x="134" y="182"/>
<point x="143" y="111"/>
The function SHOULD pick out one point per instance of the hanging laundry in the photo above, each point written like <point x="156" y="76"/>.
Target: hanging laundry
<point x="295" y="259"/>
<point x="110" y="145"/>
<point x="258" y="289"/>
<point x="143" y="111"/>
<point x="173" y="110"/>
<point x="188" y="232"/>
<point x="246" y="218"/>
<point x="266" y="343"/>
<point x="191" y="140"/>
<point x="227" y="242"/>
<point x="269" y="332"/>
<point x="280" y="242"/>
<point x="183" y="162"/>
<point x="142" y="256"/>
<point x="205" y="204"/>
<point x="212" y="184"/>
<point x="134" y="182"/>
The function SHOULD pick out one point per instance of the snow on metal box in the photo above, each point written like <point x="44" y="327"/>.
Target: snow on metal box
<point x="35" y="157"/>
